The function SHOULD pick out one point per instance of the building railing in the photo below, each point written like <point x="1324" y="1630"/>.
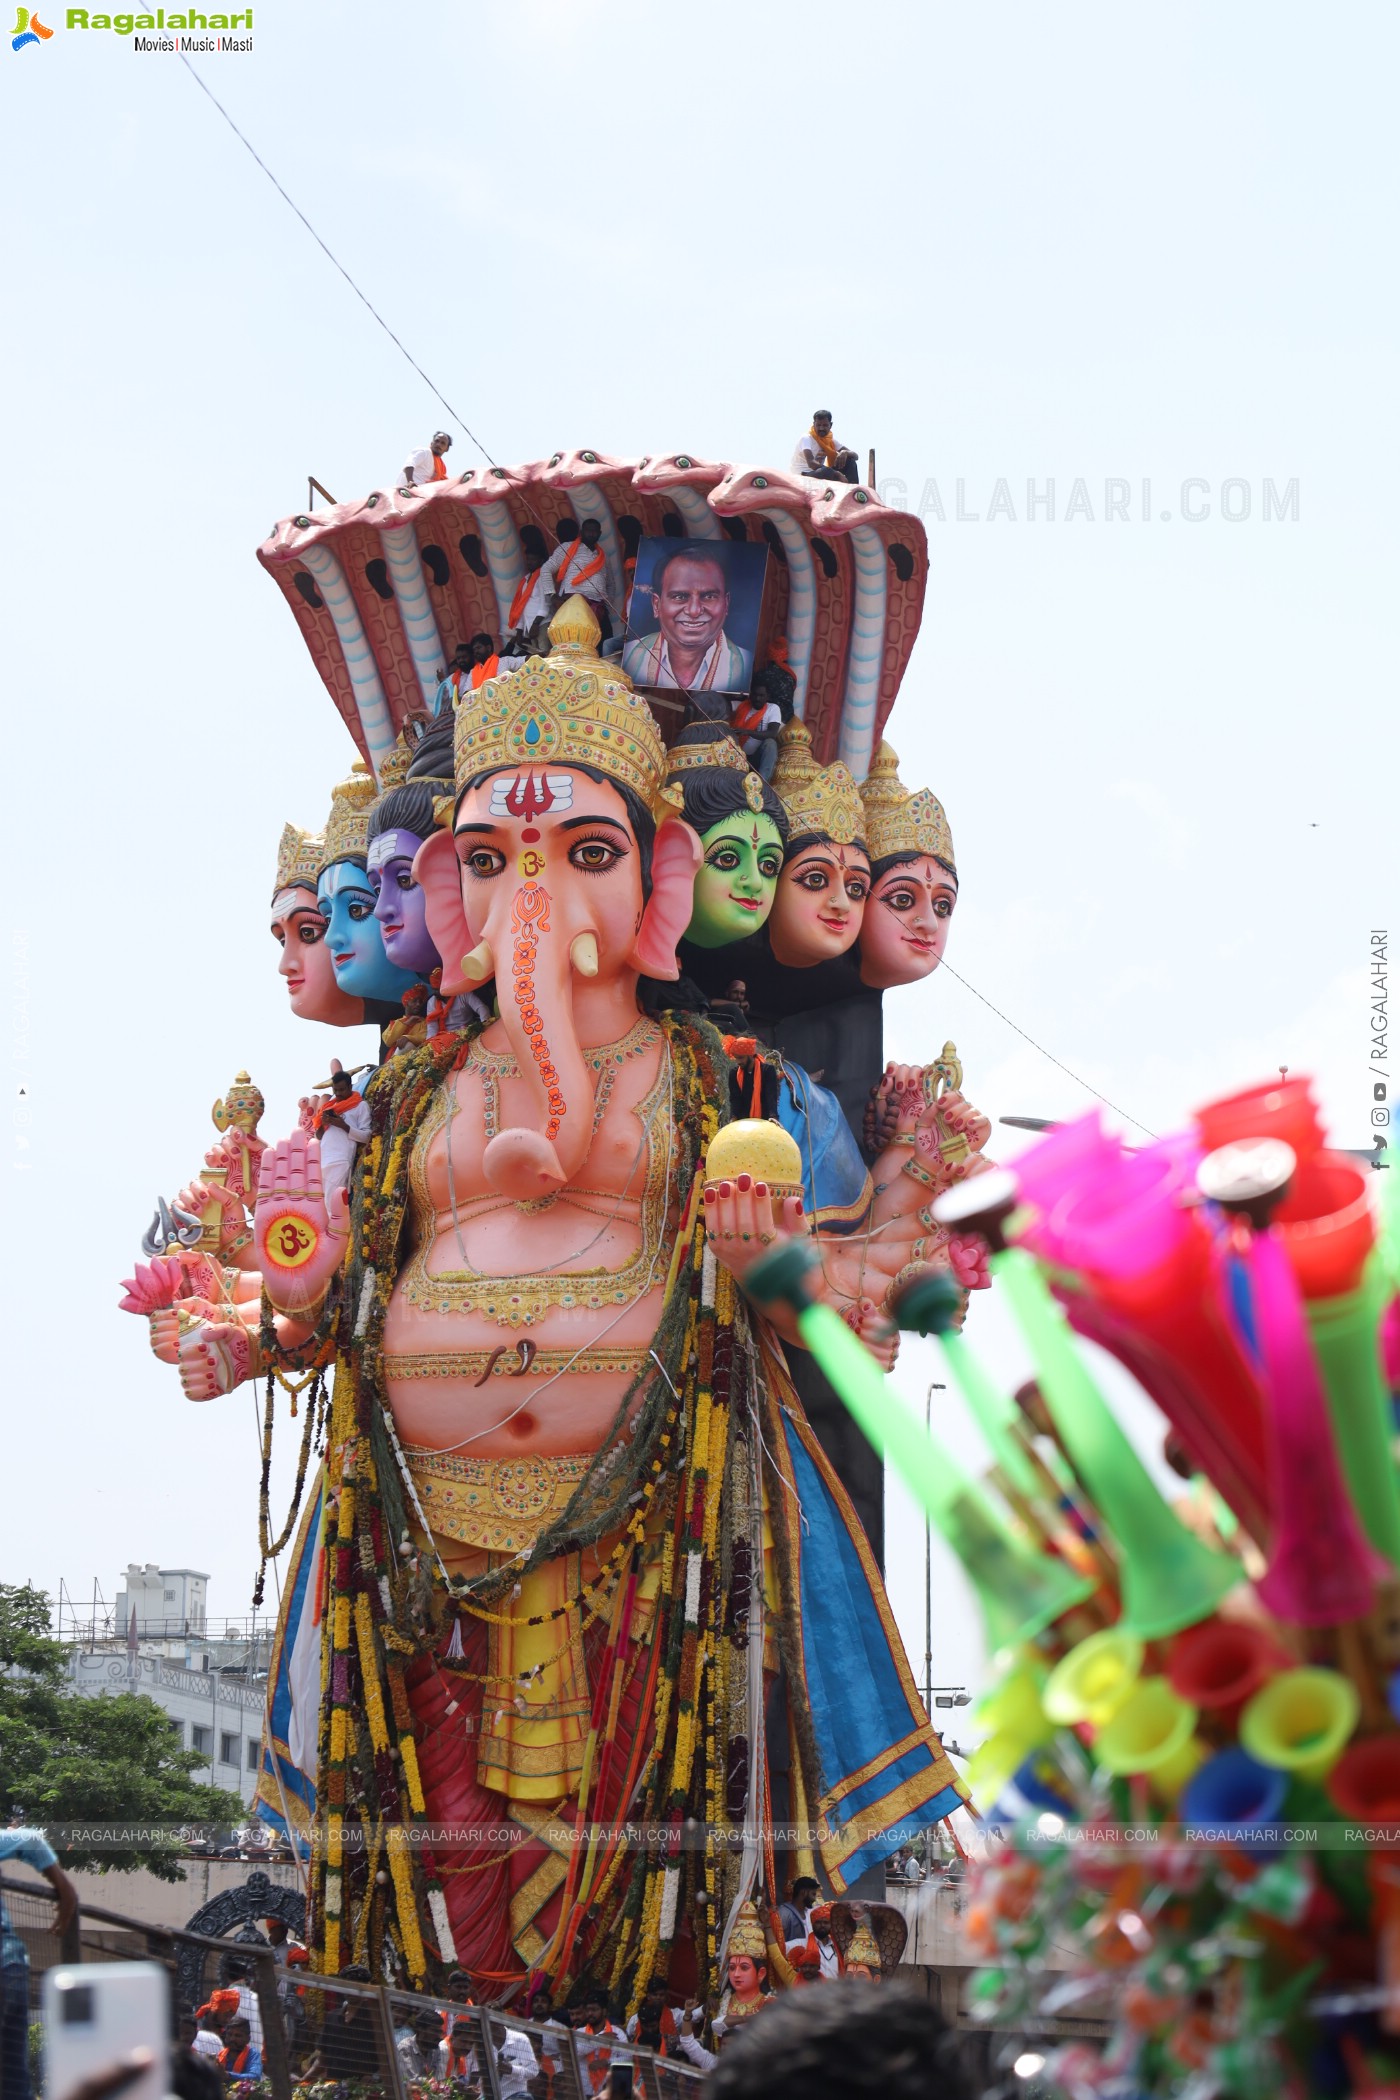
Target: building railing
<point x="308" y="2037"/>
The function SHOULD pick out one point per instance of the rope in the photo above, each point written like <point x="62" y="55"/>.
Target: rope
<point x="361" y="296"/>
<point x="946" y="965"/>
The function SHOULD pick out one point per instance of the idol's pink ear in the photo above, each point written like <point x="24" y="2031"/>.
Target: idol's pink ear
<point x="675" y="861"/>
<point x="438" y="872"/>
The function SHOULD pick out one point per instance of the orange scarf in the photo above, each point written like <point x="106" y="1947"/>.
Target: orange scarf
<point x="519" y="601"/>
<point x="350" y="1100"/>
<point x="748" y="715"/>
<point x="439" y="467"/>
<point x="584" y="574"/>
<point x="827" y="443"/>
<point x="481" y="672"/>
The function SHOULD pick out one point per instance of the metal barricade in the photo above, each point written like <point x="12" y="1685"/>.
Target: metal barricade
<point x="332" y="2029"/>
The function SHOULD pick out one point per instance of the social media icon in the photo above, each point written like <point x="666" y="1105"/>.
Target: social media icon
<point x="1378" y="1090"/>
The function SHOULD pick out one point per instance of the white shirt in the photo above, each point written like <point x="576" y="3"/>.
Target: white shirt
<point x="421" y="465"/>
<point x="576" y="555"/>
<point x="810" y="454"/>
<point x="206" y="2043"/>
<point x="830" y="1960"/>
<point x="248" y="2010"/>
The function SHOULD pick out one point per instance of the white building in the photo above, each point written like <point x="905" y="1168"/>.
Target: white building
<point x="157" y="1639"/>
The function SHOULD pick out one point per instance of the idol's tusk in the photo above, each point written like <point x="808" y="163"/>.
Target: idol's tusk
<point x="150" y="1239"/>
<point x="583" y="954"/>
<point x="479" y="964"/>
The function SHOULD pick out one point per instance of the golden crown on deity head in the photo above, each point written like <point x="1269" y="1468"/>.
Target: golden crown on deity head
<point x="347" y="826"/>
<point x="394" y="771"/>
<point x="301" y="855"/>
<point x="719" y="751"/>
<point x="863" y="1949"/>
<point x="817" y="798"/>
<point x="746" y="1934"/>
<point x="898" y="822"/>
<point x="570" y="708"/>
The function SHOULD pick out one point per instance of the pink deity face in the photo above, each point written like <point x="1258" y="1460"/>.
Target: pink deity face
<point x="566" y="834"/>
<point x="905" y="928"/>
<point x="312" y="992"/>
<point x="744" y="1975"/>
<point x="820" y="904"/>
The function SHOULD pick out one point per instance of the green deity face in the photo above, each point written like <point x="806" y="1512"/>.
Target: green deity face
<point x="738" y="879"/>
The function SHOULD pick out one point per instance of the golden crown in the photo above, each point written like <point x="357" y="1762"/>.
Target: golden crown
<point x="746" y="1934"/>
<point x="821" y="799"/>
<point x="898" y="822"/>
<point x="394" y="771"/>
<point x="347" y="826"/>
<point x="864" y="1949"/>
<point x="300" y="858"/>
<point x="567" y="708"/>
<point x="708" y="754"/>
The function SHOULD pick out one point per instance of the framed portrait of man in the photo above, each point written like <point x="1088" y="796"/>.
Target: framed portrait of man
<point x="693" y="619"/>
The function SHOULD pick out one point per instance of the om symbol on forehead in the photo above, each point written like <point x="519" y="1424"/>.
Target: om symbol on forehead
<point x="531" y="793"/>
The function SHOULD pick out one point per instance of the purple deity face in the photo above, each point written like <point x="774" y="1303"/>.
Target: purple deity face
<point x="399" y="904"/>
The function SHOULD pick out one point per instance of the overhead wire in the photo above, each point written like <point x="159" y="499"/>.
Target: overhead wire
<point x="1075" y="1076"/>
<point x="362" y="296"/>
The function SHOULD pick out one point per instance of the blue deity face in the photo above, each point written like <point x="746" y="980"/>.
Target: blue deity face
<point x="355" y="937"/>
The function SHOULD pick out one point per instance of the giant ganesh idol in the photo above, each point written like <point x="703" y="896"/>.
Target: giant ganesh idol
<point x="577" y="1561"/>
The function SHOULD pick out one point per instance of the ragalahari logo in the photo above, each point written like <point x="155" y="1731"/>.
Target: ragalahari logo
<point x="28" y="29"/>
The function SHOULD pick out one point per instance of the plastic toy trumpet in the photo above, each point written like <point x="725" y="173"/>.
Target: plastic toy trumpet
<point x="1169" y="1578"/>
<point x="1020" y="1592"/>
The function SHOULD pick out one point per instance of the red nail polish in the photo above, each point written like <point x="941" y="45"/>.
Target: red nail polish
<point x="745" y="1184"/>
<point x="709" y="1195"/>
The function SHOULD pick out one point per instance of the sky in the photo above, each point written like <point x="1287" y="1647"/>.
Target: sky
<point x="1007" y="246"/>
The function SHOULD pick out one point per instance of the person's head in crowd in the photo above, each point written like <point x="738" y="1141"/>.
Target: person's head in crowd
<point x="464" y="655"/>
<point x="590" y="2009"/>
<point x="441" y="443"/>
<point x="851" y="2039"/>
<point x="427" y="2031"/>
<point x="238" y="1968"/>
<point x="821" y="422"/>
<point x="459" y="1987"/>
<point x="186" y="2030"/>
<point x="821" y="1922"/>
<point x="590" y="532"/>
<point x="805" y="1891"/>
<point x="480" y="648"/>
<point x="355" y="2008"/>
<point x="222" y="2005"/>
<point x="298" y="1958"/>
<point x="194" y="2077"/>
<point x="542" y="2004"/>
<point x="237" y="2036"/>
<point x="566" y="531"/>
<point x="276" y="1930"/>
<point x="775" y="685"/>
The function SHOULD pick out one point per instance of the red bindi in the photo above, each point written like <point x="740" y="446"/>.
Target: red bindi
<point x="529" y="835"/>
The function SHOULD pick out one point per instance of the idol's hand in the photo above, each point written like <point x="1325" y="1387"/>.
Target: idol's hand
<point x="877" y="1330"/>
<point x="740" y="1226"/>
<point x="216" y="1357"/>
<point x="967" y="1258"/>
<point x="235" y="1240"/>
<point x="299" y="1244"/>
<point x="166" y="1279"/>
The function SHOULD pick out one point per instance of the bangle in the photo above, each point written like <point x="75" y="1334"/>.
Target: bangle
<point x="917" y="1171"/>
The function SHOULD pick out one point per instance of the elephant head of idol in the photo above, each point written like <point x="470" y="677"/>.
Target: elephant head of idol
<point x="913" y="879"/>
<point x="557" y="880"/>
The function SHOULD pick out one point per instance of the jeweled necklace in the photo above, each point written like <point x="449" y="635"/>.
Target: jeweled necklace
<point x="607" y="1059"/>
